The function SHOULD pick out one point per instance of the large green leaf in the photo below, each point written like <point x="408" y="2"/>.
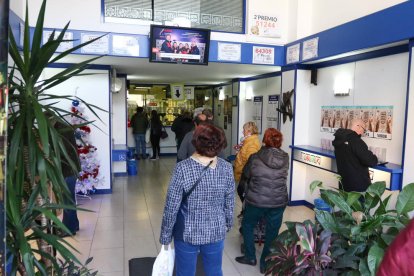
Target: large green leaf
<point x="327" y="221"/>
<point x="315" y="184"/>
<point x="363" y="268"/>
<point x="377" y="188"/>
<point x="405" y="200"/>
<point x="375" y="256"/>
<point x="339" y="202"/>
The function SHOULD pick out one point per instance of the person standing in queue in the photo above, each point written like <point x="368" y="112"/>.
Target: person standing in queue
<point x="207" y="184"/>
<point x="249" y="145"/>
<point x="139" y="124"/>
<point x="181" y="126"/>
<point x="353" y="158"/>
<point x="155" y="134"/>
<point x="264" y="180"/>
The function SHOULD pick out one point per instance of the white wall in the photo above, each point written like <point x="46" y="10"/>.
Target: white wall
<point x="408" y="176"/>
<point x="93" y="89"/>
<point x="119" y="116"/>
<point x="18" y="7"/>
<point x="380" y="81"/>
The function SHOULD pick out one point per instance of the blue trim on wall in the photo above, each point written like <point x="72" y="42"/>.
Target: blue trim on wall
<point x="103" y="191"/>
<point x="120" y="174"/>
<point x="91" y="66"/>
<point x="369" y="55"/>
<point x="238" y="112"/>
<point x="386" y="26"/>
<point x="301" y="203"/>
<point x="103" y="11"/>
<point x="410" y="59"/>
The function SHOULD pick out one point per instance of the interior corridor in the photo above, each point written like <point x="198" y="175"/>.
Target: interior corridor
<point x="126" y="224"/>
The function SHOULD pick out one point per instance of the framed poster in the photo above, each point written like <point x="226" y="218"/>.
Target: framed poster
<point x="272" y="113"/>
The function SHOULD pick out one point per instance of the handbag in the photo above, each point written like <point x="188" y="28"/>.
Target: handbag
<point x="164" y="263"/>
<point x="178" y="230"/>
<point x="164" y="133"/>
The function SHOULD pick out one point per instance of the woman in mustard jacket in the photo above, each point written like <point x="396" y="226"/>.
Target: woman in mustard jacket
<point x="250" y="145"/>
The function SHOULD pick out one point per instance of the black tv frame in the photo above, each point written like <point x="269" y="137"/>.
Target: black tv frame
<point x="152" y="44"/>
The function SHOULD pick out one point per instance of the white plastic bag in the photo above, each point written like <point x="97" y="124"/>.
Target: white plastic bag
<point x="147" y="136"/>
<point x="164" y="263"/>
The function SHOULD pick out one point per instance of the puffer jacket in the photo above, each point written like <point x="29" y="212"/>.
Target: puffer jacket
<point x="250" y="145"/>
<point x="264" y="178"/>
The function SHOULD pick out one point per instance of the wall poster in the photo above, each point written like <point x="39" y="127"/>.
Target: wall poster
<point x="229" y="52"/>
<point x="264" y="25"/>
<point x="263" y="55"/>
<point x="272" y="113"/>
<point x="293" y="53"/>
<point x="68" y="37"/>
<point x="189" y="92"/>
<point x="258" y="112"/>
<point x="310" y="48"/>
<point x="100" y="46"/>
<point x="124" y="45"/>
<point x="378" y="119"/>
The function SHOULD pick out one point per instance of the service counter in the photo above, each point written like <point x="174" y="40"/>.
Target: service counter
<point x="168" y="145"/>
<point x="325" y="160"/>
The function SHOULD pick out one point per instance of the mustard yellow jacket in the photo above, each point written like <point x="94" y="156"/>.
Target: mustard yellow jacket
<point x="250" y="145"/>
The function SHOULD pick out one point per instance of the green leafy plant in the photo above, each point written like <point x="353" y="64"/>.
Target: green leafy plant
<point x="35" y="152"/>
<point x="300" y="250"/>
<point x="361" y="227"/>
<point x="70" y="268"/>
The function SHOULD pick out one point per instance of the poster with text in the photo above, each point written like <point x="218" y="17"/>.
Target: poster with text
<point x="229" y="52"/>
<point x="383" y="122"/>
<point x="64" y="46"/>
<point x="123" y="45"/>
<point x="189" y="92"/>
<point x="272" y="114"/>
<point x="263" y="55"/>
<point x="257" y="113"/>
<point x="100" y="46"/>
<point x="264" y="25"/>
<point x="310" y="48"/>
<point x="293" y="53"/>
<point x="177" y="91"/>
<point x="326" y="118"/>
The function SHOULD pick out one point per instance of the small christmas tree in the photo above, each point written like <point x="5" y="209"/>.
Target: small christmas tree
<point x="89" y="177"/>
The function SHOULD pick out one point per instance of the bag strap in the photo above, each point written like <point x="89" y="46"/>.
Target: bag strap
<point x="197" y="181"/>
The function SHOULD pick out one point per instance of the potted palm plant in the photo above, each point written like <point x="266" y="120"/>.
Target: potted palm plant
<point x="35" y="152"/>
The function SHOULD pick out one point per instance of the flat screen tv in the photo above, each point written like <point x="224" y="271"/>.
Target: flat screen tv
<point x="179" y="45"/>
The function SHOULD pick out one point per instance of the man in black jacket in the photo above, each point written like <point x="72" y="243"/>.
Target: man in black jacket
<point x="139" y="124"/>
<point x="353" y="157"/>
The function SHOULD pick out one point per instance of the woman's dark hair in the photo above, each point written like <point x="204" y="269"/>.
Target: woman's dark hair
<point x="272" y="138"/>
<point x="154" y="115"/>
<point x="209" y="140"/>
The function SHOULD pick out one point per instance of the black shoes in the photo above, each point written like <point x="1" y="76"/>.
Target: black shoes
<point x="244" y="260"/>
<point x="262" y="270"/>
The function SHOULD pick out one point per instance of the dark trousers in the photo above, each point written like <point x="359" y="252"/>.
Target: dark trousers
<point x="155" y="143"/>
<point x="251" y="217"/>
<point x="70" y="217"/>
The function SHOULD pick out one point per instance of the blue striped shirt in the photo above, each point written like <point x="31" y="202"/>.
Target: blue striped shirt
<point x="210" y="206"/>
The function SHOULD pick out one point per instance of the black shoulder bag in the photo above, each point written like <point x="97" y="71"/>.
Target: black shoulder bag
<point x="178" y="231"/>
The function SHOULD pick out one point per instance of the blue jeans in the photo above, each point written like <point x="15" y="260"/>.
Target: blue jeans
<point x="140" y="143"/>
<point x="186" y="258"/>
<point x="70" y="217"/>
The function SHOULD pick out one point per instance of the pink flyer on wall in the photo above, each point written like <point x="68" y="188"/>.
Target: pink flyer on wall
<point x="383" y="122"/>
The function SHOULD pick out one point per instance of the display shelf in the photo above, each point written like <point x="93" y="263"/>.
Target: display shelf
<point x="325" y="159"/>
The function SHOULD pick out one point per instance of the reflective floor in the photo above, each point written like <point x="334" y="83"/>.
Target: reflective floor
<point x="126" y="224"/>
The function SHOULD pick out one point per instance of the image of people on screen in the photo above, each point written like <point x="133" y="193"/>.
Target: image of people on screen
<point x="179" y="45"/>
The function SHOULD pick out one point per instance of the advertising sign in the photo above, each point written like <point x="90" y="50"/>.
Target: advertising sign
<point x="189" y="92"/>
<point x="264" y="25"/>
<point x="100" y="46"/>
<point x="292" y="53"/>
<point x="263" y="55"/>
<point x="310" y="48"/>
<point x="258" y="109"/>
<point x="229" y="52"/>
<point x="125" y="45"/>
<point x="272" y="113"/>
<point x="64" y="46"/>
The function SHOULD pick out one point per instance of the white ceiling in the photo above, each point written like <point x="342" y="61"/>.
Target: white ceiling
<point x="140" y="70"/>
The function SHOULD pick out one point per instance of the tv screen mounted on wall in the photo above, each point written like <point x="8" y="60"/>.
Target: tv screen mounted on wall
<point x="179" y="45"/>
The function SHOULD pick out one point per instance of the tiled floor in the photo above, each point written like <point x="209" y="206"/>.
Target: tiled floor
<point x="126" y="224"/>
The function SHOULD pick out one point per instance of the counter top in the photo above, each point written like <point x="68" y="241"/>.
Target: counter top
<point x="389" y="167"/>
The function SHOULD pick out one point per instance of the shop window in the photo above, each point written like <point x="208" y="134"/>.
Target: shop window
<point x="217" y="15"/>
